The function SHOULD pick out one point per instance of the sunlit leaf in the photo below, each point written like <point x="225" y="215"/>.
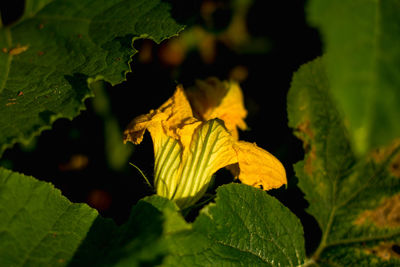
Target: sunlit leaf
<point x="362" y="41"/>
<point x="245" y="227"/>
<point x="355" y="201"/>
<point x="48" y="56"/>
<point x="38" y="226"/>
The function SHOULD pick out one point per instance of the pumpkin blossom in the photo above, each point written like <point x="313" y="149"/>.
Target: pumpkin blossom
<point x="195" y="134"/>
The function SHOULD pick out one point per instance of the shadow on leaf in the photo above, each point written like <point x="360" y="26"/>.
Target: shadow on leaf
<point x="135" y="243"/>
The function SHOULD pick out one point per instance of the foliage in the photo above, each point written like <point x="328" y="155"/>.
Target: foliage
<point x="245" y="227"/>
<point x="62" y="46"/>
<point x="362" y="63"/>
<point x="43" y="228"/>
<point x="38" y="225"/>
<point x="355" y="201"/>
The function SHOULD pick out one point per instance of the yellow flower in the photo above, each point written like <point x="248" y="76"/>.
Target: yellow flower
<point x="190" y="148"/>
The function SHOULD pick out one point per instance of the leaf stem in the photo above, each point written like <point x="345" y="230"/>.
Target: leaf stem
<point x="322" y="245"/>
<point x="361" y="240"/>
<point x="144" y="176"/>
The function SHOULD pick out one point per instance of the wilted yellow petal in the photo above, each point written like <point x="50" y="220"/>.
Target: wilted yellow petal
<point x="258" y="167"/>
<point x="178" y="111"/>
<point x="136" y="128"/>
<point x="174" y="114"/>
<point x="215" y="99"/>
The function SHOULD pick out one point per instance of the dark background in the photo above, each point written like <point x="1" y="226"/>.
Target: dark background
<point x="291" y="42"/>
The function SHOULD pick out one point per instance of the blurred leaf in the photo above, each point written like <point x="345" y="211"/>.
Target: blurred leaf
<point x="245" y="227"/>
<point x="38" y="226"/>
<point x="362" y="41"/>
<point x="356" y="202"/>
<point x="47" y="57"/>
<point x="117" y="153"/>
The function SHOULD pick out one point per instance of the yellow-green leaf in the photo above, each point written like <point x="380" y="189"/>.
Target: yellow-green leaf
<point x="356" y="201"/>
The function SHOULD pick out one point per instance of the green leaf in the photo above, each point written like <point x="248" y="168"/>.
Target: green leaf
<point x="354" y="200"/>
<point x="138" y="242"/>
<point x="118" y="153"/>
<point x="174" y="222"/>
<point x="245" y="227"/>
<point x="38" y="226"/>
<point x="47" y="58"/>
<point x="362" y="41"/>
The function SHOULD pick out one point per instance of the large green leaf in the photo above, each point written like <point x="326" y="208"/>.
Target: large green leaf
<point x="362" y="41"/>
<point x="245" y="227"/>
<point x="356" y="201"/>
<point x="48" y="56"/>
<point x="38" y="226"/>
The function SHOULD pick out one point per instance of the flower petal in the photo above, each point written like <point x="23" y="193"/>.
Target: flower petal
<point x="215" y="99"/>
<point x="168" y="159"/>
<point x="171" y="116"/>
<point x="179" y="113"/>
<point x="169" y="154"/>
<point x="258" y="167"/>
<point x="210" y="150"/>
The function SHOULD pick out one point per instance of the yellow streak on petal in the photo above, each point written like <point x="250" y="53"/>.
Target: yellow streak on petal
<point x="210" y="150"/>
<point x="167" y="154"/>
<point x="259" y="167"/>
<point x="224" y="100"/>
